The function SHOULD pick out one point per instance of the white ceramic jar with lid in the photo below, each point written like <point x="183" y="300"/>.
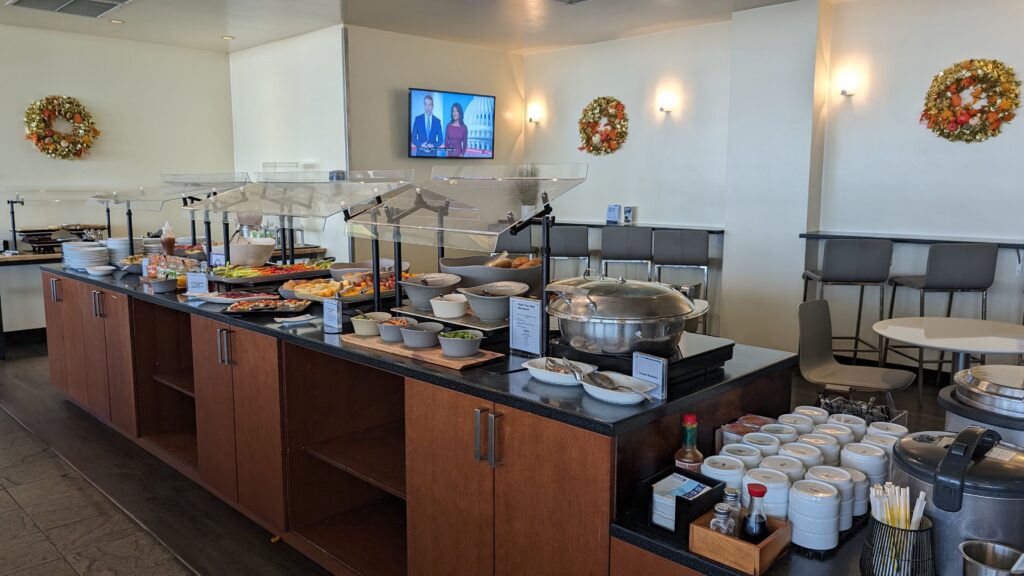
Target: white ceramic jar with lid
<point x="768" y="445"/>
<point x="749" y="455"/>
<point x="801" y="422"/>
<point x="807" y="454"/>
<point x="828" y="445"/>
<point x="784" y="433"/>
<point x="840" y="432"/>
<point x="816" y="414"/>
<point x="725" y="468"/>
<point x="856" y="424"/>
<point x="791" y="467"/>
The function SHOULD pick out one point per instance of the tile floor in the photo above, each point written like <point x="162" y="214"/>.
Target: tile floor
<point x="54" y="523"/>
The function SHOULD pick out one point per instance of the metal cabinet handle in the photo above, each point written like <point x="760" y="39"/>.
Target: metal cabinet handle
<point x="53" y="290"/>
<point x="99" y="304"/>
<point x="227" y="346"/>
<point x="56" y="290"/>
<point x="95" y="306"/>
<point x="220" y="346"/>
<point x="492" y="435"/>
<point x="478" y="414"/>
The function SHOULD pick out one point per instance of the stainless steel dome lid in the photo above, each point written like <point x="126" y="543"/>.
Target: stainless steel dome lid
<point x="994" y="388"/>
<point x="610" y="299"/>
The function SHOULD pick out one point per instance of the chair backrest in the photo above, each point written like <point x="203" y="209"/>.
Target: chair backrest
<point x="961" y="266"/>
<point x="569" y="241"/>
<point x="857" y="260"/>
<point x="680" y="247"/>
<point x="815" y="336"/>
<point x="521" y="243"/>
<point x="625" y="243"/>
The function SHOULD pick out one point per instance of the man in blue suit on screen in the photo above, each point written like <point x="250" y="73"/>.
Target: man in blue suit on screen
<point x="426" y="130"/>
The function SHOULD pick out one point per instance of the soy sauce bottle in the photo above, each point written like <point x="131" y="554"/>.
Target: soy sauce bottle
<point x="755" y="524"/>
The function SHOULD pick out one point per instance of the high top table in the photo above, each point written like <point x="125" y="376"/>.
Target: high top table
<point x="961" y="336"/>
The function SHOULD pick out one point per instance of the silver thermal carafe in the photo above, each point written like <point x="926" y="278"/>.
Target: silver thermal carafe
<point x="974" y="484"/>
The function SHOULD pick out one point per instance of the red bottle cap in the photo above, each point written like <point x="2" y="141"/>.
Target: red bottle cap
<point x="690" y="419"/>
<point x="757" y="490"/>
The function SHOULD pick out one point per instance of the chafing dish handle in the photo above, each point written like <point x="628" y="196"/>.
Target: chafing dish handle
<point x="969" y="446"/>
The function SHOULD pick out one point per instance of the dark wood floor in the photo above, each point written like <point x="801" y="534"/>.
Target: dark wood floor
<point x="206" y="534"/>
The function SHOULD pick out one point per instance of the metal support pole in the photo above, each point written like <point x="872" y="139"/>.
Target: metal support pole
<point x="291" y="240"/>
<point x="375" y="258"/>
<point x="282" y="238"/>
<point x="397" y="241"/>
<point x="226" y="231"/>
<point x="110" y="229"/>
<point x="545" y="277"/>
<point x="14" y="235"/>
<point x="131" y="229"/>
<point x="208" y="229"/>
<point x="440" y="235"/>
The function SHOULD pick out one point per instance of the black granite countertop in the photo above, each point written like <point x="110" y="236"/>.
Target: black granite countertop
<point x="491" y="382"/>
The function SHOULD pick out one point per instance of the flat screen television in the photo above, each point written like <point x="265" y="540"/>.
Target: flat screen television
<point x="450" y="124"/>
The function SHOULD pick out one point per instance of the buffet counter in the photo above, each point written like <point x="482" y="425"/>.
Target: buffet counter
<point x="371" y="463"/>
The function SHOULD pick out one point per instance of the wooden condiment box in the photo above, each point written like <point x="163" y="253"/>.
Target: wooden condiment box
<point x="754" y="559"/>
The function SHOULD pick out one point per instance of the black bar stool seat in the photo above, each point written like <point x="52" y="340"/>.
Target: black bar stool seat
<point x="570" y="243"/>
<point x="626" y="245"/>
<point x="683" y="249"/>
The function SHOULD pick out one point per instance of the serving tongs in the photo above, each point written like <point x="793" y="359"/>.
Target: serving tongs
<point x="600" y="380"/>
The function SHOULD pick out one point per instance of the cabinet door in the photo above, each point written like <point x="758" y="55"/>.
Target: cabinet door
<point x="75" y="302"/>
<point x="449" y="493"/>
<point x="53" y="308"/>
<point x="259" y="445"/>
<point x="552" y="497"/>
<point x="628" y="560"/>
<point x="215" y="408"/>
<point x="120" y="368"/>
<point x="95" y="348"/>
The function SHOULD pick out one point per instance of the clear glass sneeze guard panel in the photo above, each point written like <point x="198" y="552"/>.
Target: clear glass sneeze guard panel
<point x="199" y="185"/>
<point x="467" y="207"/>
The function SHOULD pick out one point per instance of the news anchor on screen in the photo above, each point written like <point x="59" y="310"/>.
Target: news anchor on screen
<point x="426" y="130"/>
<point x="456" y="133"/>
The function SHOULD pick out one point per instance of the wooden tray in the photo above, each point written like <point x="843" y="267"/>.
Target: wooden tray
<point x="430" y="355"/>
<point x="753" y="559"/>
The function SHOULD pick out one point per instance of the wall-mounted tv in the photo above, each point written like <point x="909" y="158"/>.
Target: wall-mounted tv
<point x="450" y="124"/>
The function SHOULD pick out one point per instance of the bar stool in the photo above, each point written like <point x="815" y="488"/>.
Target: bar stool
<point x="682" y="249"/>
<point x="951" y="268"/>
<point x="626" y="245"/>
<point x="862" y="263"/>
<point x="570" y="243"/>
<point x="521" y="243"/>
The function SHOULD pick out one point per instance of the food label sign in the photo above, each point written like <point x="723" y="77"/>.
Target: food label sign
<point x="332" y="316"/>
<point x="653" y="369"/>
<point x="197" y="283"/>
<point x="524" y="325"/>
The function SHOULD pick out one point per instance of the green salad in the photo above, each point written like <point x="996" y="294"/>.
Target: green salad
<point x="459" y="334"/>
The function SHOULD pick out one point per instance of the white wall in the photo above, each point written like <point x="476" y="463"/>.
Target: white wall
<point x="885" y="172"/>
<point x="288" y="105"/>
<point x="161" y="110"/>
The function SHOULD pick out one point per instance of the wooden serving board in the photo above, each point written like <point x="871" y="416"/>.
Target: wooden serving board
<point x="430" y="355"/>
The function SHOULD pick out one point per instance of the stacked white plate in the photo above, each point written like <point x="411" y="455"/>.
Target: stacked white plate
<point x="814" y="512"/>
<point x="121" y="247"/>
<point x="152" y="246"/>
<point x="81" y="255"/>
<point x="842" y="481"/>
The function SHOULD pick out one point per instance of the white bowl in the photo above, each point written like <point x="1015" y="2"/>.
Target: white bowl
<point x="784" y="433"/>
<point x="776" y="511"/>
<point x="100" y="270"/>
<point x="725" y="468"/>
<point x="836" y="477"/>
<point x="766" y="443"/>
<point x="617" y="396"/>
<point x="856" y="424"/>
<point x="807" y="454"/>
<point x="816" y="414"/>
<point x="776" y="482"/>
<point x="537" y="370"/>
<point x="801" y="422"/>
<point x="861" y="507"/>
<point x="814" y="499"/>
<point x="845" y="515"/>
<point x="791" y="467"/>
<point x="840" y="432"/>
<point x="369" y="326"/>
<point x="253" y="252"/>
<point x="883" y="441"/>
<point x="814" y="525"/>
<point x="871" y="460"/>
<point x="816" y="541"/>
<point x="860" y="484"/>
<point x="449" y="306"/>
<point x="749" y="455"/>
<point x="888" y="429"/>
<point x="828" y="445"/>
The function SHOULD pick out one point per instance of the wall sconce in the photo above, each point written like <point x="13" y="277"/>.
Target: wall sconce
<point x="534" y="113"/>
<point x="847" y="82"/>
<point x="667" y="101"/>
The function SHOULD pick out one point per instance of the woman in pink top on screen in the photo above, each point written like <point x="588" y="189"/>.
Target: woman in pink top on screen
<point x="456" y="134"/>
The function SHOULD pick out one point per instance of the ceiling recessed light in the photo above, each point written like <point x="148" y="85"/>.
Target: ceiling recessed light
<point x="227" y="37"/>
<point x="116" y="21"/>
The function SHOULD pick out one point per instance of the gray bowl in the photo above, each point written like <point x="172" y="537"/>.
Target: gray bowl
<point x="461" y="348"/>
<point x="422" y="335"/>
<point x="426" y="286"/>
<point x="393" y="333"/>
<point x="490" y="301"/>
<point x="340" y="269"/>
<point x="474" y="273"/>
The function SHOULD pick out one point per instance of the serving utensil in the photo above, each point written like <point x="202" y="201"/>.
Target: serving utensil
<point x="602" y="381"/>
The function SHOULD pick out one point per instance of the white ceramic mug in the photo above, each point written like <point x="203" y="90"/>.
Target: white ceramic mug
<point x="749" y="455"/>
<point x="791" y="467"/>
<point x="768" y="445"/>
<point x="856" y="424"/>
<point x="808" y="454"/>
<point x="802" y="422"/>
<point x="816" y="414"/>
<point x="840" y="432"/>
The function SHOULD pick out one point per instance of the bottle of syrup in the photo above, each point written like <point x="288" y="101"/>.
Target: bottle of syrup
<point x="688" y="457"/>
<point x="755" y="524"/>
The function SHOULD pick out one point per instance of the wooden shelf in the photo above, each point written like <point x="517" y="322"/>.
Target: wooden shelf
<point x="180" y="444"/>
<point x="180" y="380"/>
<point x="375" y="455"/>
<point x="369" y="539"/>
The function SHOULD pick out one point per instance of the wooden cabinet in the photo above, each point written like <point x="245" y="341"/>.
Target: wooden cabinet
<point x="628" y="560"/>
<point x="533" y="499"/>
<point x="238" y="417"/>
<point x="89" y="341"/>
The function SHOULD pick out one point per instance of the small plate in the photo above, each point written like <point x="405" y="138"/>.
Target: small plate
<point x="616" y="396"/>
<point x="537" y="370"/>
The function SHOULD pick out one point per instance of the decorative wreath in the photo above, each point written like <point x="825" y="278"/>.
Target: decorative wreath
<point x="970" y="101"/>
<point x="604" y="126"/>
<point x="39" y="118"/>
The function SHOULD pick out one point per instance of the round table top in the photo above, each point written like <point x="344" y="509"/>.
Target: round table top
<point x="955" y="334"/>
